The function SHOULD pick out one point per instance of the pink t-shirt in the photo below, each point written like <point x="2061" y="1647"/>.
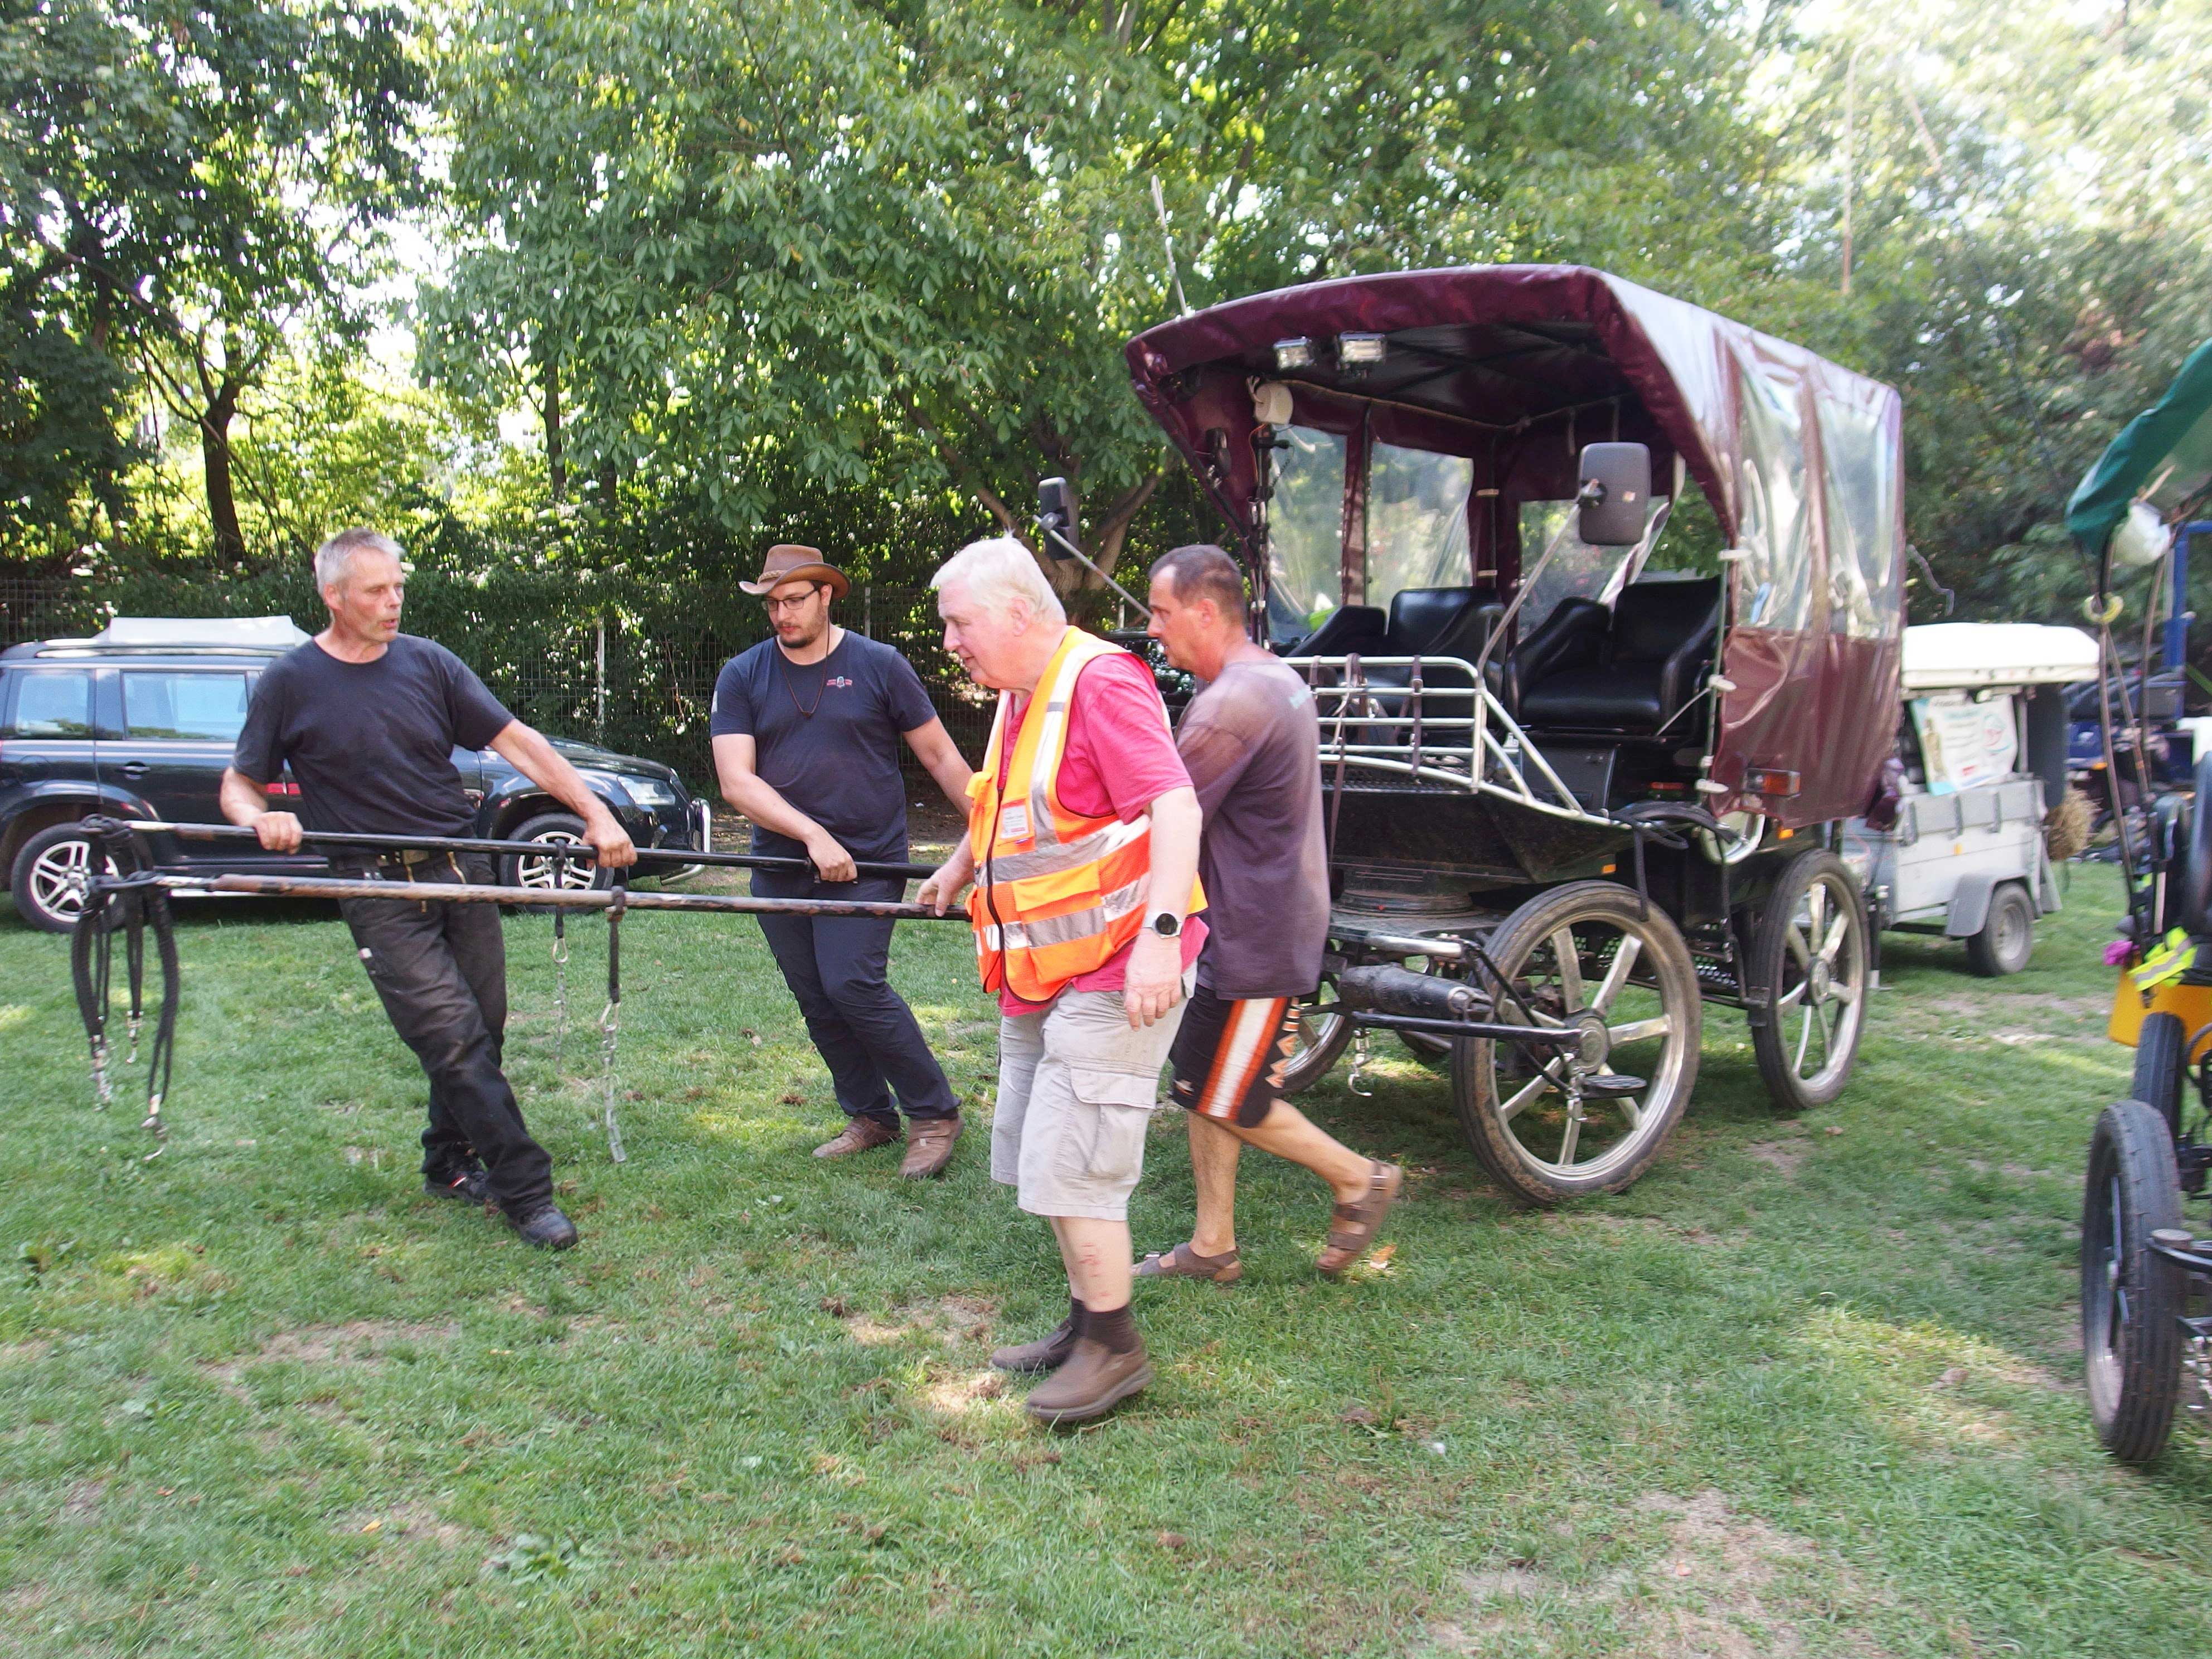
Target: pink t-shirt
<point x="1121" y="758"/>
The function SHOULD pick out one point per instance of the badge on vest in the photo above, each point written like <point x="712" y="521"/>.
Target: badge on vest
<point x="1014" y="822"/>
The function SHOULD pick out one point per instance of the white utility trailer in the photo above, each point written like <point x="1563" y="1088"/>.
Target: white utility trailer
<point x="1957" y="847"/>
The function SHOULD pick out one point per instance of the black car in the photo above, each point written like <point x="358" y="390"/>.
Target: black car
<point x="138" y="722"/>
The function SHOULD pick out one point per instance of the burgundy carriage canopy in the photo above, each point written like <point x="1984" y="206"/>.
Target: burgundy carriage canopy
<point x="1516" y="367"/>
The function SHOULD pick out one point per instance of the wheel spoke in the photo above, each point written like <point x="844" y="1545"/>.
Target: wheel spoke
<point x="1571" y="968"/>
<point x="1513" y="1107"/>
<point x="1641" y="1030"/>
<point x="1790" y="998"/>
<point x="1840" y="991"/>
<point x="1798" y="948"/>
<point x="1804" y="1036"/>
<point x="1631" y="1110"/>
<point x="1616" y="972"/>
<point x="1839" y="931"/>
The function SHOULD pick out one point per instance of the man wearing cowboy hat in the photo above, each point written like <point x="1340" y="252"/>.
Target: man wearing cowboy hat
<point x="807" y="728"/>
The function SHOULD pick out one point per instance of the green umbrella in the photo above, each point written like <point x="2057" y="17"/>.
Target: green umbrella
<point x="2163" y="456"/>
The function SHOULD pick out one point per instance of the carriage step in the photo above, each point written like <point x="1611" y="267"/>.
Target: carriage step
<point x="1612" y="1085"/>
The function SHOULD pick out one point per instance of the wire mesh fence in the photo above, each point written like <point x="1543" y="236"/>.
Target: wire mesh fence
<point x="628" y="664"/>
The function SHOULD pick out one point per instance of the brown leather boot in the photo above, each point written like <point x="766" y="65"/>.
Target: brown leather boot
<point x="1092" y="1382"/>
<point x="859" y="1135"/>
<point x="1047" y="1353"/>
<point x="929" y="1147"/>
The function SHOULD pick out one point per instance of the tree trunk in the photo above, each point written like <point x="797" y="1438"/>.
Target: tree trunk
<point x="556" y="462"/>
<point x="214" y="464"/>
<point x="1113" y="528"/>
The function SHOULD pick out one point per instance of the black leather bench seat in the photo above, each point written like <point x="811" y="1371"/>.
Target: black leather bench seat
<point x="1631" y="675"/>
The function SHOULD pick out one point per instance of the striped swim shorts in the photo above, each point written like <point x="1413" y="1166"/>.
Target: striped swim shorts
<point x="1229" y="1056"/>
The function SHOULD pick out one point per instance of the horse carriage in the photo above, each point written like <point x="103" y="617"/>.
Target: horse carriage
<point x="1579" y="780"/>
<point x="2145" y="1278"/>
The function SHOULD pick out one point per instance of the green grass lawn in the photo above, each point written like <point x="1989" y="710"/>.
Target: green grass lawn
<point x="1810" y="1387"/>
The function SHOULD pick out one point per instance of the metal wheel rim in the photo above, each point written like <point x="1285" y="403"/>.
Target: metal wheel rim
<point x="2011" y="928"/>
<point x="58" y="876"/>
<point x="1822" y="1011"/>
<point x="1316" y="1032"/>
<point x="2105" y="1297"/>
<point x="1648" y="1113"/>
<point x="546" y="874"/>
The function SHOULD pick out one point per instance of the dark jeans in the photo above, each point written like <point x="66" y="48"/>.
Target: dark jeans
<point x="441" y="972"/>
<point x="835" y="968"/>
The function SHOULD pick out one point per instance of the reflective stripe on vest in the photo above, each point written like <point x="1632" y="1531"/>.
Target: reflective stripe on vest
<point x="1058" y="893"/>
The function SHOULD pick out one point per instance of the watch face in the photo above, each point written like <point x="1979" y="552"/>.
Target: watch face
<point x="1166" y="925"/>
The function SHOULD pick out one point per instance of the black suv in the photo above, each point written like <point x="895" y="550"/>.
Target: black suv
<point x="143" y="730"/>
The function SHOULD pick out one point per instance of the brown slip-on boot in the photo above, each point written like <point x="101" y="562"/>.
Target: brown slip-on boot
<point x="859" y="1135"/>
<point x="929" y="1147"/>
<point x="1092" y="1382"/>
<point x="1047" y="1353"/>
<point x="1354" y="1226"/>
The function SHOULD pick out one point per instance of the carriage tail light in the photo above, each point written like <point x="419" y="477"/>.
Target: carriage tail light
<point x="1770" y="781"/>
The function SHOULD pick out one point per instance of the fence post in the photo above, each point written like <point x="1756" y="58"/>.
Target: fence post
<point x="601" y="738"/>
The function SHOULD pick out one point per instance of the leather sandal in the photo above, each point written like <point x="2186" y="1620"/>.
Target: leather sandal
<point x="1354" y="1226"/>
<point x="1183" y="1262"/>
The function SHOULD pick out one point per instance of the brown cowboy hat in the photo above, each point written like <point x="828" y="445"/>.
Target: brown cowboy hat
<point x="788" y="562"/>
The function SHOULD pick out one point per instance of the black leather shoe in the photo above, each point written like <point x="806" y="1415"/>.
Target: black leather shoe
<point x="547" y="1228"/>
<point x="467" y="1185"/>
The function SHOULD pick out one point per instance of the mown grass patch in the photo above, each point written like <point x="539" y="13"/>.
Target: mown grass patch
<point x="1811" y="1387"/>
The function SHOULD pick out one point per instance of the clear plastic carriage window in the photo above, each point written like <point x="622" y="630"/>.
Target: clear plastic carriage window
<point x="1305" y="526"/>
<point x="1577" y="571"/>
<point x="1416" y="521"/>
<point x="1863" y="567"/>
<point x="1774" y="583"/>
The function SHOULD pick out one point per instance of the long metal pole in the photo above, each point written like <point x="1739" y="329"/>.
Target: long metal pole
<point x="581" y="852"/>
<point x="448" y="893"/>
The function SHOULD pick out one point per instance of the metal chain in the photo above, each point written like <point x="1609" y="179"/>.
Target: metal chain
<point x="1358" y="1064"/>
<point x="610" y="1026"/>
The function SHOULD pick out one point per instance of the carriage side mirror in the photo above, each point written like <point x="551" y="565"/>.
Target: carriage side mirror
<point x="1615" y="495"/>
<point x="1056" y="517"/>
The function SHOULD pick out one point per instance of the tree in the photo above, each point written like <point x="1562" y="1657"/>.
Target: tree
<point x="187" y="190"/>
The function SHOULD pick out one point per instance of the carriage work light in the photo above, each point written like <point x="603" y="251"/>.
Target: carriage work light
<point x="1359" y="350"/>
<point x="1770" y="781"/>
<point x="1293" y="353"/>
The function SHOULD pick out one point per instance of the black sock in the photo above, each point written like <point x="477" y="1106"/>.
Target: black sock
<point x="1113" y="1327"/>
<point x="1077" y="1314"/>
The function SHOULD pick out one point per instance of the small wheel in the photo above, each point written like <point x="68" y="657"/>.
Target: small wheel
<point x="1321" y="1038"/>
<point x="50" y="871"/>
<point x="1810" y="951"/>
<point x="2132" y="1300"/>
<point x="1552" y="1124"/>
<point x="1425" y="1048"/>
<point x="2007" y="937"/>
<point x="2159" y="1068"/>
<point x="546" y="874"/>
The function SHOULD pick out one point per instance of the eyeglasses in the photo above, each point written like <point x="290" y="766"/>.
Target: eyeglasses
<point x="775" y="604"/>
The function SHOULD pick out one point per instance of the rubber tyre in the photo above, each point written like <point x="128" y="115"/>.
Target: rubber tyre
<point x="1323" y="1047"/>
<point x="2006" y="940"/>
<point x="31" y="882"/>
<point x="1774" y="966"/>
<point x="2160" y="1069"/>
<point x="549" y="826"/>
<point x="2130" y="1299"/>
<point x="1485" y="1112"/>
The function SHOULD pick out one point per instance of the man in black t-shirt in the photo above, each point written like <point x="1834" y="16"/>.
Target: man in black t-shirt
<point x="367" y="717"/>
<point x="807" y="728"/>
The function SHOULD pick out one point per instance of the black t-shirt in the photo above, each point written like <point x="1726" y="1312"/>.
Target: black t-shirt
<point x="370" y="743"/>
<point x="826" y="738"/>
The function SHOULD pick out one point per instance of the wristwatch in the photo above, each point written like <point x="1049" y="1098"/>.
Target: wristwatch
<point x="1167" y="925"/>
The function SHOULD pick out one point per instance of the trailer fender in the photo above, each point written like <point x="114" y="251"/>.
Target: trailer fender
<point x="1970" y="904"/>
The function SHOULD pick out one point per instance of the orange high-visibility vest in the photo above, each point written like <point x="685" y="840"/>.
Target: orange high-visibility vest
<point x="1058" y="893"/>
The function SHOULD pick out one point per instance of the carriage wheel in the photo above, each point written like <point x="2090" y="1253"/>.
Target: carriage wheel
<point x="2130" y="1299"/>
<point x="1591" y="1117"/>
<point x="1810" y="951"/>
<point x="1321" y="1038"/>
<point x="2159" y="1068"/>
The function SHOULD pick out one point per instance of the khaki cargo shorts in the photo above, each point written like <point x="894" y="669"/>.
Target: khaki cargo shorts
<point x="1077" y="1089"/>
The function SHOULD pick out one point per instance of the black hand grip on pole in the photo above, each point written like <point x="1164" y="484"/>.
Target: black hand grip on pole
<point x="582" y="852"/>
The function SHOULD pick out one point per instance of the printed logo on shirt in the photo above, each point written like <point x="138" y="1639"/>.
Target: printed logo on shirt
<point x="837" y="685"/>
<point x="1014" y="822"/>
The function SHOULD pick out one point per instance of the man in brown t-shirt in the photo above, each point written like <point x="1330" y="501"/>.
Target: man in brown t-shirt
<point x="1251" y="743"/>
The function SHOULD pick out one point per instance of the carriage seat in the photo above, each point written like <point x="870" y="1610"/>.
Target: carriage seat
<point x="1351" y="628"/>
<point x="1633" y="674"/>
<point x="1443" y="623"/>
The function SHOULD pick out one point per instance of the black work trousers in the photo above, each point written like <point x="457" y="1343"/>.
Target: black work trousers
<point x="441" y="970"/>
<point x="836" y="967"/>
